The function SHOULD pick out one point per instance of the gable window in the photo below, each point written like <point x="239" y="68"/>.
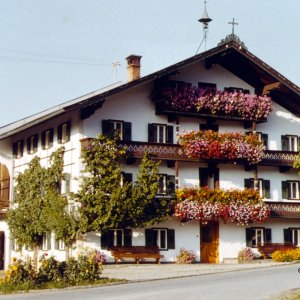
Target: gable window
<point x="112" y="127"/>
<point x="258" y="236"/>
<point x="32" y="144"/>
<point x="18" y="148"/>
<point x="166" y="184"/>
<point x="263" y="186"/>
<point x="116" y="237"/>
<point x="164" y="238"/>
<point x="290" y="189"/>
<point x="209" y="177"/>
<point x="291" y="236"/>
<point x="46" y="242"/>
<point x="64" y="133"/>
<point x="290" y="143"/>
<point x="160" y="133"/>
<point x="47" y="138"/>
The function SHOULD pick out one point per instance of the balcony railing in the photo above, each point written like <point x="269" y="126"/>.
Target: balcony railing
<point x="176" y="152"/>
<point x="284" y="210"/>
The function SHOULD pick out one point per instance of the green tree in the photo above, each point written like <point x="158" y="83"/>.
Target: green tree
<point x="104" y="200"/>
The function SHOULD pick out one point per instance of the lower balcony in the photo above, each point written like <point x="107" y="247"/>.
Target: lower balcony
<point x="284" y="210"/>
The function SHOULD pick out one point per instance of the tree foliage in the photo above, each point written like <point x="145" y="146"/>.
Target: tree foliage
<point x="108" y="204"/>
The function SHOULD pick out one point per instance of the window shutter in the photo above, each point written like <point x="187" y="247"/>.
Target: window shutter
<point x="127" y="177"/>
<point x="249" y="235"/>
<point x="59" y="134"/>
<point x="248" y="183"/>
<point x="15" y="149"/>
<point x="43" y="139"/>
<point x="216" y="178"/>
<point x="127" y="237"/>
<point x="127" y="131"/>
<point x="284" y="188"/>
<point x="284" y="143"/>
<point x="108" y="128"/>
<point x="68" y="131"/>
<point x="170" y="184"/>
<point x="51" y="137"/>
<point x="169" y="134"/>
<point x="35" y="143"/>
<point x="28" y="144"/>
<point x="264" y="138"/>
<point x="148" y="237"/>
<point x="266" y="187"/>
<point x="22" y="147"/>
<point x="203" y="176"/>
<point x="287" y="235"/>
<point x="268" y="235"/>
<point x="151" y="137"/>
<point x="171" y="239"/>
<point x="104" y="240"/>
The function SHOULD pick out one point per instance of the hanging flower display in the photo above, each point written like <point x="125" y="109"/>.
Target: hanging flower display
<point x="222" y="146"/>
<point x="240" y="207"/>
<point x="214" y="102"/>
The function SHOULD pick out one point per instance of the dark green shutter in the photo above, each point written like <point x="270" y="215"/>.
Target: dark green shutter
<point x="216" y="173"/>
<point x="249" y="235"/>
<point x="15" y="149"/>
<point x="170" y="184"/>
<point x="59" y="134"/>
<point x="148" y="237"/>
<point x="247" y="183"/>
<point x="284" y="143"/>
<point x="68" y="131"/>
<point x="51" y="136"/>
<point x="127" y="177"/>
<point x="108" y="128"/>
<point x="203" y="176"/>
<point x="284" y="189"/>
<point x="169" y="134"/>
<point x="104" y="240"/>
<point x="266" y="188"/>
<point x="22" y="147"/>
<point x="35" y="143"/>
<point x="151" y="137"/>
<point x="43" y="139"/>
<point x="287" y="235"/>
<point x="268" y="235"/>
<point x="264" y="138"/>
<point x="127" y="237"/>
<point x="127" y="131"/>
<point x="171" y="239"/>
<point x="28" y="144"/>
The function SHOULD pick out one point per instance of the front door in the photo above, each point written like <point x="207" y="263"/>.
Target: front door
<point x="209" y="242"/>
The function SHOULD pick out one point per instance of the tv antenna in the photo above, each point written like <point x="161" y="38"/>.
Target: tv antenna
<point x="116" y="64"/>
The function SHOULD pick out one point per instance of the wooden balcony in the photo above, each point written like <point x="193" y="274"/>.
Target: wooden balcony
<point x="284" y="210"/>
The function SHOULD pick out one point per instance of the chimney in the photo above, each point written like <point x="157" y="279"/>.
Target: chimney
<point x="133" y="67"/>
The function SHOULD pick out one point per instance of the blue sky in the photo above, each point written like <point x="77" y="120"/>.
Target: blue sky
<point x="52" y="51"/>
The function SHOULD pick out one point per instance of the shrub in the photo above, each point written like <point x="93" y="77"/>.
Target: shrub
<point x="185" y="257"/>
<point x="246" y="254"/>
<point x="286" y="255"/>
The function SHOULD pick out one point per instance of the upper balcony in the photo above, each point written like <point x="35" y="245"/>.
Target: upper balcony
<point x="207" y="102"/>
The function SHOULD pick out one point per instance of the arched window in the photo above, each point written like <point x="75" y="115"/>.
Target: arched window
<point x="4" y="186"/>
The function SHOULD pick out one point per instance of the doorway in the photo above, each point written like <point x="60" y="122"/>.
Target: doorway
<point x="209" y="242"/>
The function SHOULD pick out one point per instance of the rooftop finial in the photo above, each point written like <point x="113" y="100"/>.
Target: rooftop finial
<point x="233" y="23"/>
<point x="204" y="20"/>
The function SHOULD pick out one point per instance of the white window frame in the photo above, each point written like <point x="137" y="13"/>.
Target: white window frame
<point x="161" y="133"/>
<point x="292" y="143"/>
<point x="47" y="139"/>
<point x="118" y="127"/>
<point x="159" y="238"/>
<point x="115" y="240"/>
<point x="259" y="236"/>
<point x="60" y="245"/>
<point x="296" y="236"/>
<point x="20" y="145"/>
<point x="64" y="133"/>
<point x="46" y="242"/>
<point x="293" y="190"/>
<point x="31" y="149"/>
<point x="65" y="184"/>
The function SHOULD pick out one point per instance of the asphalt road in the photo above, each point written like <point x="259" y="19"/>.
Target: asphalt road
<point x="264" y="283"/>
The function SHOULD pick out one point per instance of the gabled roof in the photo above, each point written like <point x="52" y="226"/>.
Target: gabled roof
<point x="230" y="54"/>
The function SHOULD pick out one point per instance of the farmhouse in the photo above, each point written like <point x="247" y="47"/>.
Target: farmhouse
<point x="248" y="117"/>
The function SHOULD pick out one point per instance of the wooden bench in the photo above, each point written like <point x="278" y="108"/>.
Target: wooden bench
<point x="136" y="252"/>
<point x="268" y="248"/>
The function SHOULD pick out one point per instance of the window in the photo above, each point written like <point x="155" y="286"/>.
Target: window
<point x="236" y="90"/>
<point x="160" y="133"/>
<point x="18" y="148"/>
<point x="65" y="185"/>
<point x="289" y="143"/>
<point x="209" y="177"/>
<point x="64" y="133"/>
<point x="206" y="85"/>
<point x="15" y="246"/>
<point x="47" y="138"/>
<point x="164" y="238"/>
<point x="291" y="235"/>
<point x="166" y="184"/>
<point x="258" y="235"/>
<point x="4" y="185"/>
<point x="60" y="245"/>
<point x="263" y="186"/>
<point x="32" y="144"/>
<point x="263" y="137"/>
<point x="46" y="242"/>
<point x="290" y="190"/>
<point x="116" y="237"/>
<point x="111" y="127"/>
<point x="205" y="127"/>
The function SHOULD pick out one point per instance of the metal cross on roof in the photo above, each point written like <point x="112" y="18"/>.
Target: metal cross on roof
<point x="233" y="23"/>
